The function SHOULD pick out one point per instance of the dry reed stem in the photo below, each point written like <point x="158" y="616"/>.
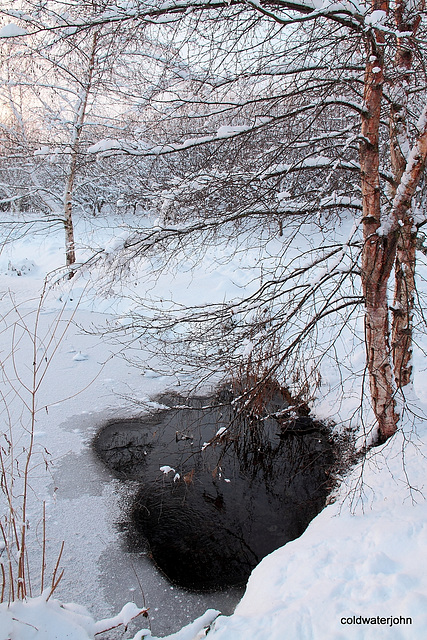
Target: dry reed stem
<point x="143" y="612"/>
<point x="13" y="529"/>
<point x="3" y="583"/>
<point x="55" y="580"/>
<point x="43" y="549"/>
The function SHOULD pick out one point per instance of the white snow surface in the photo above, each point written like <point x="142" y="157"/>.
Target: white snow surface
<point x="362" y="557"/>
<point x="376" y="17"/>
<point x="357" y="572"/>
<point x="51" y="620"/>
<point x="12" y="30"/>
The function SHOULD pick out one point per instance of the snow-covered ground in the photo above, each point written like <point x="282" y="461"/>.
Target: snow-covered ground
<point x="357" y="572"/>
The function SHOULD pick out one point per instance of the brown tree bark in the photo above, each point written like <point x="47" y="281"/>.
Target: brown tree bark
<point x="404" y="294"/>
<point x="403" y="304"/>
<point x="404" y="285"/>
<point x="379" y="248"/>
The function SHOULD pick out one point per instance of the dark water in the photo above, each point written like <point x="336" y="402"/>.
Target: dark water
<point x="226" y="504"/>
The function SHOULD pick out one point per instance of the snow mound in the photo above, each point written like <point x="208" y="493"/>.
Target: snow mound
<point x="21" y="267"/>
<point x="355" y="572"/>
<point x="37" y="619"/>
<point x="50" y="620"/>
<point x="80" y="357"/>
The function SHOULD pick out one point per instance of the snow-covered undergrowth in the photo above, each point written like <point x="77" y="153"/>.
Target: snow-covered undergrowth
<point x="38" y="618"/>
<point x="358" y="570"/>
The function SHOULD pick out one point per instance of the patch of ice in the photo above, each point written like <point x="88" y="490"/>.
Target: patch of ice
<point x="11" y="30"/>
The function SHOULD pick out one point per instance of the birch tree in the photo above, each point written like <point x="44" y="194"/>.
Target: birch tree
<point x="57" y="93"/>
<point x="38" y="88"/>
<point x="79" y="119"/>
<point x="299" y="111"/>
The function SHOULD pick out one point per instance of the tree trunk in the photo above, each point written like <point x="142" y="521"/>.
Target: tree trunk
<point x="405" y="257"/>
<point x="379" y="247"/>
<point x="404" y="269"/>
<point x="403" y="304"/>
<point x="70" y="251"/>
<point x="404" y="285"/>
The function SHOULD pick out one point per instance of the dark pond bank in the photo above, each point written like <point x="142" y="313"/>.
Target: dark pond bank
<point x="217" y="491"/>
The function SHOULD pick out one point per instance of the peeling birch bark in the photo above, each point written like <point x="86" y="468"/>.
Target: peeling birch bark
<point x="379" y="249"/>
<point x="404" y="281"/>
<point x="403" y="304"/>
<point x="404" y="294"/>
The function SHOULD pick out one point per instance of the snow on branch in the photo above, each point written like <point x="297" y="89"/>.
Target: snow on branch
<point x="339" y="11"/>
<point x="349" y="13"/>
<point x="128" y="613"/>
<point x="319" y="162"/>
<point x="345" y="13"/>
<point x="109" y="147"/>
<point x="414" y="167"/>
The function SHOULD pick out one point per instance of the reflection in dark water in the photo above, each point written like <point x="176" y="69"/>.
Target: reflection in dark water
<point x="237" y="489"/>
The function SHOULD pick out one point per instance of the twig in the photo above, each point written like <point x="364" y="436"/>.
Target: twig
<point x="55" y="581"/>
<point x="143" y="612"/>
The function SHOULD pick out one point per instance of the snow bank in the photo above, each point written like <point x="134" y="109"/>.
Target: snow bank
<point x="38" y="619"/>
<point x="357" y="570"/>
<point x="50" y="620"/>
<point x="192" y="631"/>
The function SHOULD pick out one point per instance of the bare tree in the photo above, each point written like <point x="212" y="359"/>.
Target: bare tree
<point x="55" y="95"/>
<point x="79" y="119"/>
<point x="295" y="113"/>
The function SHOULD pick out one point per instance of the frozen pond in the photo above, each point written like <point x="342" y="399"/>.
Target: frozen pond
<point x="212" y="494"/>
<point x="102" y="571"/>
